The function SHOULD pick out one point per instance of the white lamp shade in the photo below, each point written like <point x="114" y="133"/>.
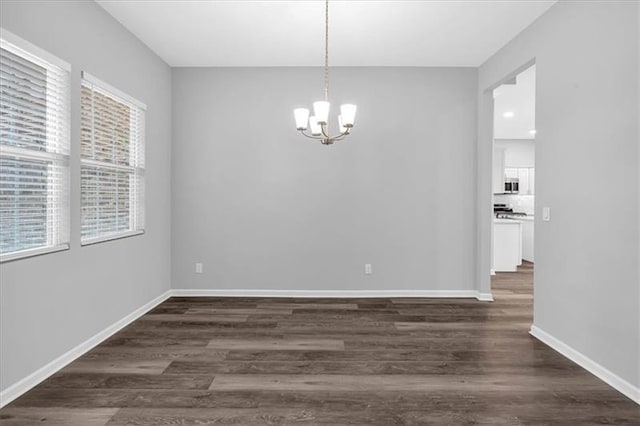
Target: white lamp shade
<point x="342" y="128"/>
<point x="321" y="111"/>
<point x="348" y="113"/>
<point x="315" y="126"/>
<point x="302" y="117"/>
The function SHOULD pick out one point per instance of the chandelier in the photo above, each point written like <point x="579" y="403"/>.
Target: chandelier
<point x="319" y="121"/>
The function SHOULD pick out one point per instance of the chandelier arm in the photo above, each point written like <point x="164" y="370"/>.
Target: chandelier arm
<point x="326" y="138"/>
<point x="323" y="127"/>
<point x="340" y="136"/>
<point x="317" y="138"/>
<point x="345" y="133"/>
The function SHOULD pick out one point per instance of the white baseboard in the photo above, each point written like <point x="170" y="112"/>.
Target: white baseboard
<point x="340" y="294"/>
<point x="22" y="386"/>
<point x="588" y="364"/>
<point x="484" y="297"/>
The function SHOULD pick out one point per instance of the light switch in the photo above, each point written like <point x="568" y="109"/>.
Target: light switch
<point x="546" y="214"/>
<point x="367" y="269"/>
<point x="198" y="268"/>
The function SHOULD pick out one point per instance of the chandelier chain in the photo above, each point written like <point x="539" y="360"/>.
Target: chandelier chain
<point x="326" y="50"/>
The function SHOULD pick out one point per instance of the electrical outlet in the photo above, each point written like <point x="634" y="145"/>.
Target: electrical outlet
<point x="367" y="269"/>
<point x="198" y="268"/>
<point x="546" y="214"/>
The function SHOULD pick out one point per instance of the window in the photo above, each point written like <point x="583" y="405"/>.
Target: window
<point x="34" y="150"/>
<point x="112" y="162"/>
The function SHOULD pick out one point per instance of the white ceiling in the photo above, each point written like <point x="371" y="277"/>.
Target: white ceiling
<point x="519" y="100"/>
<point x="291" y="33"/>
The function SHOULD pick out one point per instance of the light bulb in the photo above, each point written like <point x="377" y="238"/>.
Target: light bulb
<point x="348" y="113"/>
<point x="321" y="111"/>
<point x="302" y="117"/>
<point x="341" y="125"/>
<point x="316" y="130"/>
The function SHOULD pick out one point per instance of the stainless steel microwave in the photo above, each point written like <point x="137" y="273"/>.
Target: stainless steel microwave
<point x="511" y="185"/>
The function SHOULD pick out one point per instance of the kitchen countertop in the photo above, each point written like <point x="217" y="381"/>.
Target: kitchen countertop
<point x="506" y="221"/>
<point x="527" y="218"/>
<point x="518" y="217"/>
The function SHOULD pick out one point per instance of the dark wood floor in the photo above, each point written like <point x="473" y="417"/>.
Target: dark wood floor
<point x="197" y="361"/>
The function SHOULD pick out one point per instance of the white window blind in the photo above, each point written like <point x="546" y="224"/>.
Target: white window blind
<point x="34" y="150"/>
<point x="112" y="162"/>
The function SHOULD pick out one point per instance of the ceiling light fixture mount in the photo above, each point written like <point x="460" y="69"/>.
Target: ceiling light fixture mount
<point x="319" y="122"/>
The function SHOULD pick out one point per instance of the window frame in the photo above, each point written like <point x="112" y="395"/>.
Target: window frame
<point x="40" y="57"/>
<point x="88" y="79"/>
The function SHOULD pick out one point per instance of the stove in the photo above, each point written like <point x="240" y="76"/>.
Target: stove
<point x="502" y="208"/>
<point x="503" y="211"/>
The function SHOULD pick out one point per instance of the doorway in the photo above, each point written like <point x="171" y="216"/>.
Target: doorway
<point x="513" y="183"/>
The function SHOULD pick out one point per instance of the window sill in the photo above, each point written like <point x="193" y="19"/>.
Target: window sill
<point x="110" y="237"/>
<point x="32" y="252"/>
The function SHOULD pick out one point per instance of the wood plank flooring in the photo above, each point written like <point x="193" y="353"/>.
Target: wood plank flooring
<point x="201" y="361"/>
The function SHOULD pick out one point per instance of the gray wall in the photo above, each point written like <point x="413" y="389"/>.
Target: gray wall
<point x="586" y="273"/>
<point x="264" y="208"/>
<point x="51" y="303"/>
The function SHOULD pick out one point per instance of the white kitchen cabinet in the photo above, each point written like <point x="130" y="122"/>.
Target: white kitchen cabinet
<point x="525" y="176"/>
<point x="527" y="239"/>
<point x="523" y="179"/>
<point x="507" y="245"/>
<point x="511" y="172"/>
<point x="498" y="171"/>
<point x="518" y="153"/>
